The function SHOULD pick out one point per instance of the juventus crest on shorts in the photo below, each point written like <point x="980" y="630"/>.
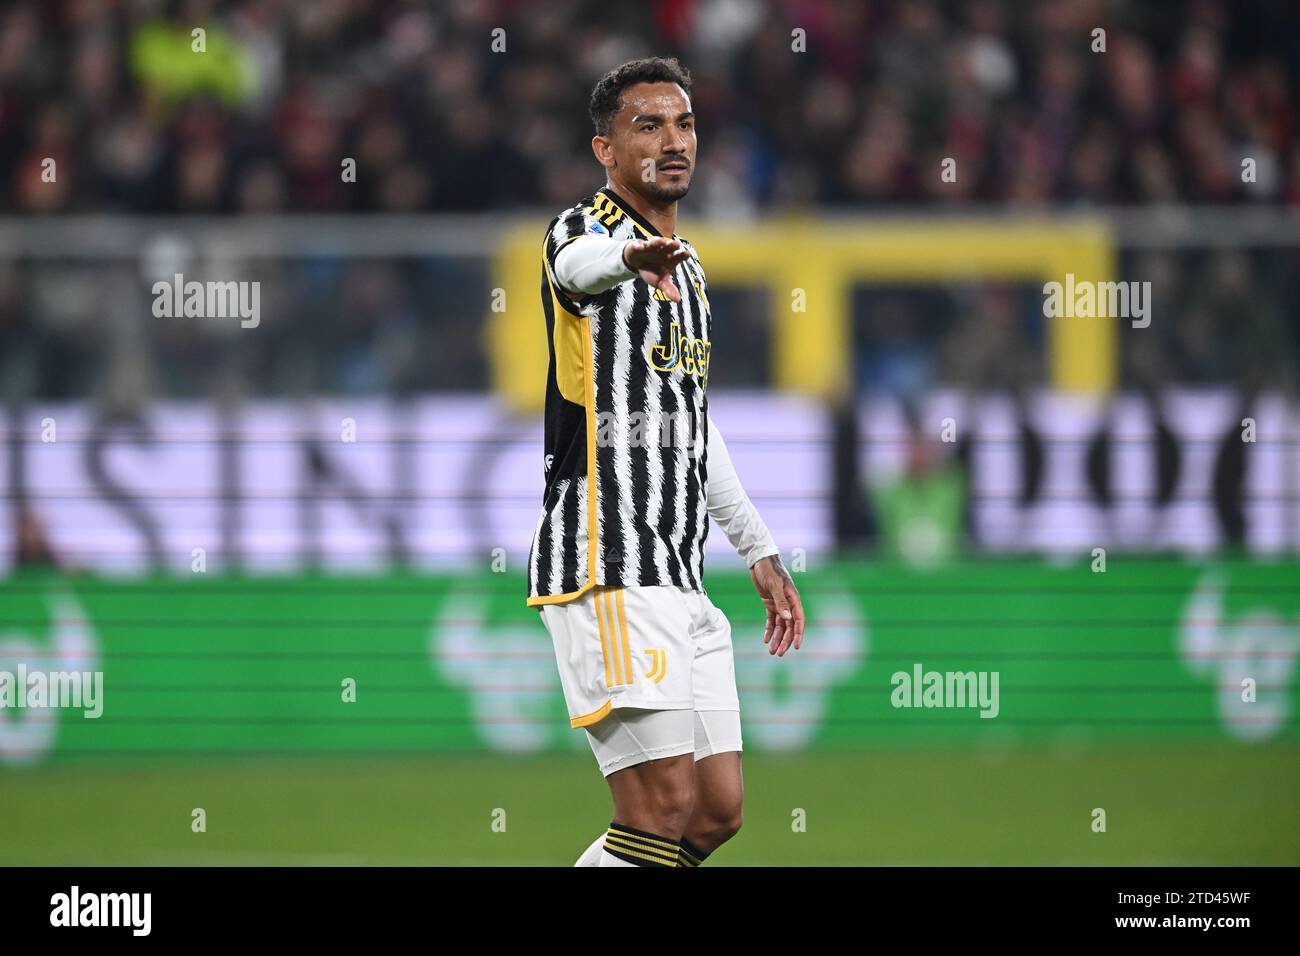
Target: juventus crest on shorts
<point x="626" y="430"/>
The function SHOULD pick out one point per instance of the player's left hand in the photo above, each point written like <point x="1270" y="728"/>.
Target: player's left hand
<point x="785" y="617"/>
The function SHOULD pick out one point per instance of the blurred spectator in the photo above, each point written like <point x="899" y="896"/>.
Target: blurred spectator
<point x="921" y="513"/>
<point x="135" y="120"/>
<point x="32" y="546"/>
<point x="437" y="120"/>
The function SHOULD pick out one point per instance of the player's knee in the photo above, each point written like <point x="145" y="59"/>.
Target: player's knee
<point x="716" y="825"/>
<point x="727" y="824"/>
<point x="672" y="804"/>
<point x="734" y="823"/>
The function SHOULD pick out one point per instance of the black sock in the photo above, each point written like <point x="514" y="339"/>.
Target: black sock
<point x="640" y="847"/>
<point x="689" y="854"/>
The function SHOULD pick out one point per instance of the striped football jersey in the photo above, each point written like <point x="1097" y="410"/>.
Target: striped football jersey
<point x="626" y="426"/>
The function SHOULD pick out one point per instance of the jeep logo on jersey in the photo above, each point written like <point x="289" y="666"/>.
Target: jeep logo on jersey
<point x="691" y="354"/>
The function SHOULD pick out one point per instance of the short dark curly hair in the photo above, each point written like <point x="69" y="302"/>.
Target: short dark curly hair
<point x="605" y="97"/>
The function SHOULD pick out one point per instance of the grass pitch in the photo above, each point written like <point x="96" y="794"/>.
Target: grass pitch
<point x="1188" y="806"/>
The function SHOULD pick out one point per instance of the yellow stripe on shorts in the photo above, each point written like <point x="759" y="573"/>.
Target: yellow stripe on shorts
<point x="610" y="622"/>
<point x="604" y="644"/>
<point x="627" y="651"/>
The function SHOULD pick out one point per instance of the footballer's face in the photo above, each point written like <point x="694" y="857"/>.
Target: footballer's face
<point x="651" y="145"/>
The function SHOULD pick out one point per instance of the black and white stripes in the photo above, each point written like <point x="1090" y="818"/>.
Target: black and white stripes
<point x="625" y="389"/>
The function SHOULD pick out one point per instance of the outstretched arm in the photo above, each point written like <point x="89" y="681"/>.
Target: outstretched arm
<point x="740" y="521"/>
<point x="592" y="264"/>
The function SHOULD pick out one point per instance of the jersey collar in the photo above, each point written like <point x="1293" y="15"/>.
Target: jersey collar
<point x="631" y="213"/>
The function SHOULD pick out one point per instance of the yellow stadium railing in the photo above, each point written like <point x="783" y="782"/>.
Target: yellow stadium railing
<point x="816" y="264"/>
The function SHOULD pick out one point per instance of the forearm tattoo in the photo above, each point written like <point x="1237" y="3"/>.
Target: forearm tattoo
<point x="780" y="570"/>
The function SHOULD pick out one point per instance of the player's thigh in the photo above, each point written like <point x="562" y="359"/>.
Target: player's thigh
<point x="719" y="791"/>
<point x="631" y="736"/>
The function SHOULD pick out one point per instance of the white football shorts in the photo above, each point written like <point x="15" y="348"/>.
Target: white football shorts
<point x="629" y="736"/>
<point x="646" y="649"/>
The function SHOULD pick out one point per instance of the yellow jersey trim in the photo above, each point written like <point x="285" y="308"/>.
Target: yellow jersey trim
<point x="560" y="598"/>
<point x="567" y="306"/>
<point x="593" y="503"/>
<point x="593" y="507"/>
<point x="623" y="212"/>
<point x="598" y="714"/>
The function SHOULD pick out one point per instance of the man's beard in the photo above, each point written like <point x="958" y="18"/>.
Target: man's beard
<point x="666" y="194"/>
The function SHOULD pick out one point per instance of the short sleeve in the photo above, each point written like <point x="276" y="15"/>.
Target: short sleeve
<point x="575" y="222"/>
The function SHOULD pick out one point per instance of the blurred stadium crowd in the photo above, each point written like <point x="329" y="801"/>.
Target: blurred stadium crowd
<point x="441" y="119"/>
<point x="439" y="122"/>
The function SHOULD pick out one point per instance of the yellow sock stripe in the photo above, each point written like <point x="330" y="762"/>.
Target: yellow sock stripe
<point x="687" y="858"/>
<point x="668" y="844"/>
<point x="622" y="623"/>
<point x="608" y="605"/>
<point x="672" y="862"/>
<point x="641" y="843"/>
<point x="645" y="852"/>
<point x="604" y="644"/>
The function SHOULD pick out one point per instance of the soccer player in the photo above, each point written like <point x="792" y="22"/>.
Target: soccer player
<point x="634" y="470"/>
